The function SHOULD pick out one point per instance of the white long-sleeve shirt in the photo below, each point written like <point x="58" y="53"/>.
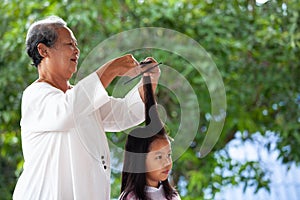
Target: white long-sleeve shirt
<point x="64" y="144"/>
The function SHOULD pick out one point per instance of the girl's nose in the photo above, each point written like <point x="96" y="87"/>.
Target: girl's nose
<point x="167" y="161"/>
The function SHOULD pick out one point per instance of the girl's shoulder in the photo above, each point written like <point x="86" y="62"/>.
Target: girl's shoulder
<point x="152" y="193"/>
<point x="158" y="193"/>
<point x="177" y="197"/>
<point x="130" y="196"/>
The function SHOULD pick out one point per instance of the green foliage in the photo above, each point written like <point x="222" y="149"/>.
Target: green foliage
<point x="256" y="49"/>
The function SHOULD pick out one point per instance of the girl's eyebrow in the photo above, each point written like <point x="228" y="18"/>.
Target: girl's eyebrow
<point x="160" y="152"/>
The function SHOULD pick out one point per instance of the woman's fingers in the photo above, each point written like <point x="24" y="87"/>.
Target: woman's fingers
<point x="154" y="71"/>
<point x="125" y="65"/>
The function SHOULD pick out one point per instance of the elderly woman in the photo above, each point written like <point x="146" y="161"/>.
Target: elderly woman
<point x="62" y="126"/>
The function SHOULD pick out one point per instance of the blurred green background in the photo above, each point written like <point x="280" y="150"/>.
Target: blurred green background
<point x="255" y="47"/>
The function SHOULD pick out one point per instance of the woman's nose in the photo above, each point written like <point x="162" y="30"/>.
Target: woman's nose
<point x="77" y="50"/>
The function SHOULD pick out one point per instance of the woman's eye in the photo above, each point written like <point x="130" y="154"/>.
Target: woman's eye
<point x="71" y="44"/>
<point x="169" y="155"/>
<point x="158" y="157"/>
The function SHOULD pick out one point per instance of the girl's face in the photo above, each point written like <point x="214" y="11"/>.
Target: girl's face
<point x="158" y="162"/>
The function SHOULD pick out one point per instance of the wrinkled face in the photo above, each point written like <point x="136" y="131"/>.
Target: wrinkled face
<point x="63" y="56"/>
<point x="158" y="162"/>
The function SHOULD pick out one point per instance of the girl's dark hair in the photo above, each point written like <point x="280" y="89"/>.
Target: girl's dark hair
<point x="43" y="31"/>
<point x="137" y="146"/>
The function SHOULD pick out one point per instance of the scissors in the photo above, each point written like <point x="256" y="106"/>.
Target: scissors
<point x="143" y="64"/>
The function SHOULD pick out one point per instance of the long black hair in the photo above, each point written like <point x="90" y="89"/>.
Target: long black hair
<point x="137" y="146"/>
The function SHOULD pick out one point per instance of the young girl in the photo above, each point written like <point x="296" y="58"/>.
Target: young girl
<point x="147" y="161"/>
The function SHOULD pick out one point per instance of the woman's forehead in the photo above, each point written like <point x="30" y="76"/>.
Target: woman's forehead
<point x="65" y="33"/>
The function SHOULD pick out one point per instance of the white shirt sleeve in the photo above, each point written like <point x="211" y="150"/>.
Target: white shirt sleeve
<point x="122" y="113"/>
<point x="46" y="108"/>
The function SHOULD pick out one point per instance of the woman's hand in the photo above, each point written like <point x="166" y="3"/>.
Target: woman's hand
<point x="125" y="65"/>
<point x="153" y="73"/>
<point x="122" y="66"/>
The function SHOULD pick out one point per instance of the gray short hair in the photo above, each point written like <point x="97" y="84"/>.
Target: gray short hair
<point x="42" y="31"/>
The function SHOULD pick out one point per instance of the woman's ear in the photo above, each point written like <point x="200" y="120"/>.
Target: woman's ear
<point x="42" y="48"/>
